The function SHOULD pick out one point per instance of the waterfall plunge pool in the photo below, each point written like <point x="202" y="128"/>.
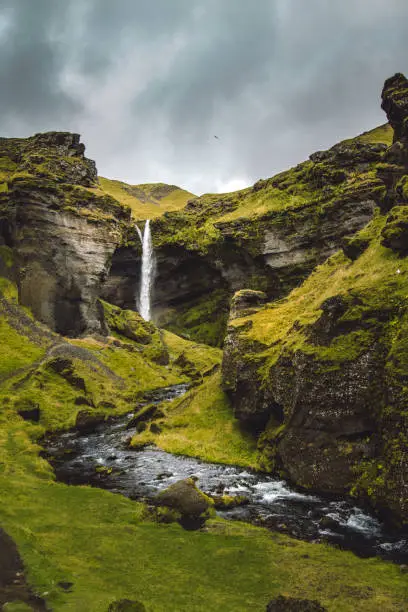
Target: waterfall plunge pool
<point x="273" y="503"/>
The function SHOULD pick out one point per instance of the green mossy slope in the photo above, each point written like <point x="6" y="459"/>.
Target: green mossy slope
<point x="146" y="201"/>
<point x="344" y="326"/>
<point x="200" y="424"/>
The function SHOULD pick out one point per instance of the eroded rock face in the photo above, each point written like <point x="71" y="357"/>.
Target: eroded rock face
<point x="62" y="235"/>
<point x="270" y="252"/>
<point x="320" y="421"/>
<point x="395" y="104"/>
<point x="330" y="396"/>
<point x="63" y="260"/>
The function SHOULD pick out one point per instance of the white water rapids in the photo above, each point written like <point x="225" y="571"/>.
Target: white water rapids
<point x="146" y="281"/>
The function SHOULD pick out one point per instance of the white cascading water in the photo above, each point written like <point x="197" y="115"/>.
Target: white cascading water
<point x="147" y="272"/>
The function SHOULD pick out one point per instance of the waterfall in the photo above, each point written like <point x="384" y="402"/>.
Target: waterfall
<point x="146" y="281"/>
<point x="139" y="233"/>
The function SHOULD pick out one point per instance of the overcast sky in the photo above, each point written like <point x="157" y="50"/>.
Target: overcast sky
<point x="149" y="83"/>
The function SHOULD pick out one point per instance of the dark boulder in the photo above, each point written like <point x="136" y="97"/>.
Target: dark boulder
<point x="185" y="497"/>
<point x="87" y="420"/>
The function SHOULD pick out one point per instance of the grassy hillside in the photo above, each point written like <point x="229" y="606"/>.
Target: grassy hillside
<point x="146" y="201"/>
<point x="208" y="220"/>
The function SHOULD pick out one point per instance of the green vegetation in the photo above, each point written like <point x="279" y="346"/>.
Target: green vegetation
<point x="200" y="424"/>
<point x="146" y="201"/>
<point x="369" y="285"/>
<point x="187" y="354"/>
<point x="310" y="190"/>
<point x="203" y="319"/>
<point x="109" y="549"/>
<point x="86" y="536"/>
<point x="383" y="134"/>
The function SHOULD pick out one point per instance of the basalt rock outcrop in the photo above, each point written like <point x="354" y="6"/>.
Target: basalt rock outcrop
<point x="321" y="376"/>
<point x="61" y="233"/>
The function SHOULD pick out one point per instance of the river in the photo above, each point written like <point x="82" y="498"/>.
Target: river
<point x="101" y="458"/>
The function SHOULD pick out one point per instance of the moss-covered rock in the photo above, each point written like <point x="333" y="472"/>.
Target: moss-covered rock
<point x="395" y="232"/>
<point x="185" y="497"/>
<point x="317" y="374"/>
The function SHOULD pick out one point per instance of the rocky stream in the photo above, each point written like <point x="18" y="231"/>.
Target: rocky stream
<point x="102" y="458"/>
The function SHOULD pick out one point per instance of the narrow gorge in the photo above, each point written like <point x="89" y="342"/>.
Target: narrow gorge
<point x="213" y="387"/>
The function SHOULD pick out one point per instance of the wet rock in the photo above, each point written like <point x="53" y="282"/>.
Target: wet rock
<point x="185" y="497"/>
<point x="226" y="502"/>
<point x="327" y="522"/>
<point x="145" y="414"/>
<point x="164" y="475"/>
<point x="87" y="420"/>
<point x="290" y="604"/>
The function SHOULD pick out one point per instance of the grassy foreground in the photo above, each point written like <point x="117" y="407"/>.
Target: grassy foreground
<point x="108" y="549"/>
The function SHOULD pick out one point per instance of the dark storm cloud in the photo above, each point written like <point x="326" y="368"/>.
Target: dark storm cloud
<point x="30" y="62"/>
<point x="149" y="83"/>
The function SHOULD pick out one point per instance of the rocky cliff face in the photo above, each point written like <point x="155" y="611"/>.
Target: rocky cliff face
<point x="62" y="234"/>
<point x="268" y="237"/>
<point x="323" y="374"/>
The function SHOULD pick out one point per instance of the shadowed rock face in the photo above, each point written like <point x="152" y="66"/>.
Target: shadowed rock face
<point x="395" y="104"/>
<point x="63" y="260"/>
<point x="63" y="236"/>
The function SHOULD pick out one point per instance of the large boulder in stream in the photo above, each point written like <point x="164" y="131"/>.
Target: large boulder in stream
<point x="187" y="499"/>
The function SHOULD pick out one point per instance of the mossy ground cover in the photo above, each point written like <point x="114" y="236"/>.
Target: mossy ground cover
<point x="200" y="424"/>
<point x="204" y="358"/>
<point x="143" y="199"/>
<point x="383" y="134"/>
<point x="309" y="191"/>
<point x="374" y="283"/>
<point x="108" y="548"/>
<point x="203" y="319"/>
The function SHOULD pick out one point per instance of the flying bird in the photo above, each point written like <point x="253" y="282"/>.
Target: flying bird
<point x="216" y="137"/>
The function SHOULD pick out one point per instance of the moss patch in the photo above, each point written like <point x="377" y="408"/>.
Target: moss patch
<point x="201" y="424"/>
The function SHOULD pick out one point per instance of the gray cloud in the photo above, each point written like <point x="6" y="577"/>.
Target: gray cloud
<point x="148" y="83"/>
